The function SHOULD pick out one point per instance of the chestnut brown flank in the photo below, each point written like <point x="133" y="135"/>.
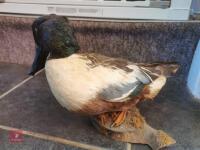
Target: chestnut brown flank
<point x="99" y="106"/>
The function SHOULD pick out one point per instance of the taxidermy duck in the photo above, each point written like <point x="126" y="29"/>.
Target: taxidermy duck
<point x="90" y="83"/>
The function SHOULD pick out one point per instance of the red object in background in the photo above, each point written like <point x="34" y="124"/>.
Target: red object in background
<point x="15" y="136"/>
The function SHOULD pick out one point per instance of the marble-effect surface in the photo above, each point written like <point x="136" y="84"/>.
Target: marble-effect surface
<point x="10" y="75"/>
<point x="32" y="107"/>
<point x="30" y="143"/>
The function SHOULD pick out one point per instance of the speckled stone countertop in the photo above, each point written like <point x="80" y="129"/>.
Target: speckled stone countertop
<point x="136" y="41"/>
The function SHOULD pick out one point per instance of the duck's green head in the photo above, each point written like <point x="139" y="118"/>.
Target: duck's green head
<point x="54" y="37"/>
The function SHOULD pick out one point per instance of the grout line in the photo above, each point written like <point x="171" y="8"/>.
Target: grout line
<point x="19" y="84"/>
<point x="53" y="138"/>
<point x="128" y="146"/>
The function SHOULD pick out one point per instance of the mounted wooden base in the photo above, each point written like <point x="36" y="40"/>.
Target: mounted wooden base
<point x="135" y="130"/>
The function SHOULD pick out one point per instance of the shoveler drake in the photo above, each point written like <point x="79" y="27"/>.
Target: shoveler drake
<point x="90" y="83"/>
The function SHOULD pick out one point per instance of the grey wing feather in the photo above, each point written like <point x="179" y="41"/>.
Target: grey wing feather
<point x="123" y="92"/>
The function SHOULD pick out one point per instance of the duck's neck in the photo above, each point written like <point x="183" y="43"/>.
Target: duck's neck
<point x="62" y="54"/>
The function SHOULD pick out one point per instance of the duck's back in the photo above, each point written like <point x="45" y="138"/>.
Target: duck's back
<point x="81" y="78"/>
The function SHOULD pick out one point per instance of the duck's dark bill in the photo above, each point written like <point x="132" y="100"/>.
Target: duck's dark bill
<point x="39" y="61"/>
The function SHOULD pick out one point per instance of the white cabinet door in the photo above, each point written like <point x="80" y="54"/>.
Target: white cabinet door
<point x="110" y="9"/>
<point x="86" y="2"/>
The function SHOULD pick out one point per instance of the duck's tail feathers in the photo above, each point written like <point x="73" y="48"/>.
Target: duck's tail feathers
<point x="158" y="69"/>
<point x="151" y="90"/>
